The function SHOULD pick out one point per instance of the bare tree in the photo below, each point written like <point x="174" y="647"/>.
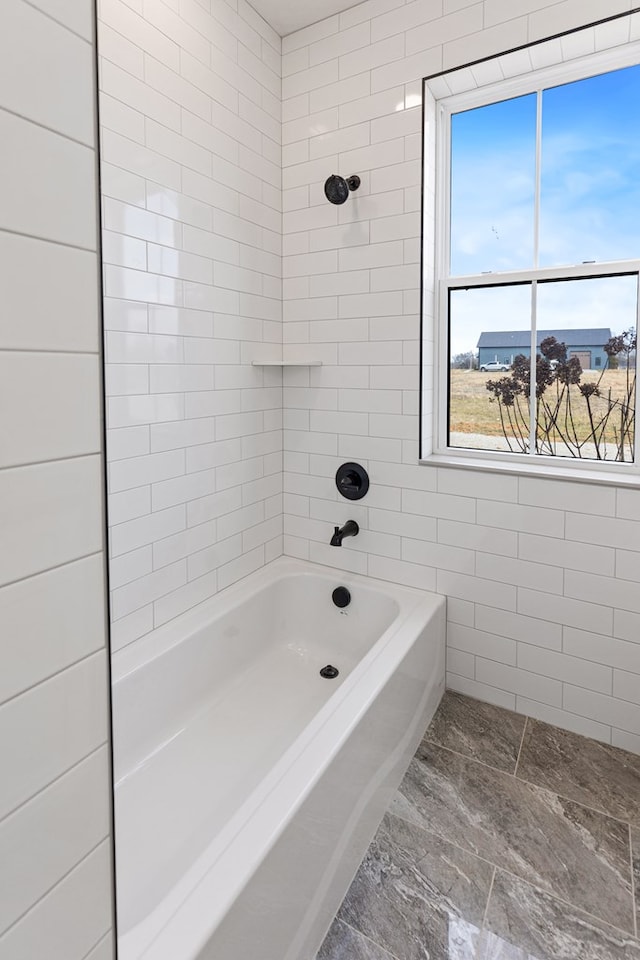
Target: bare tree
<point x="465" y="361"/>
<point x="573" y="417"/>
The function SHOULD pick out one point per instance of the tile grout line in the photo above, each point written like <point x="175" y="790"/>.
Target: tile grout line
<point x="486" y="909"/>
<point x="568" y="903"/>
<point x="524" y="730"/>
<point x="64" y="26"/>
<point x="634" y="912"/>
<point x="465" y="756"/>
<point x="56" y="566"/>
<point x="43" y="126"/>
<point x="98" y="943"/>
<point x="39" y="463"/>
<point x="367" y="938"/>
<point x="56" y="243"/>
<point x="51" y="783"/>
<point x="56" y="351"/>
<point x="51" y="890"/>
<point x="446" y="839"/>
<point x="53" y="676"/>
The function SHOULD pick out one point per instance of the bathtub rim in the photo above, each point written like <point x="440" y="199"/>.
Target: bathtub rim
<point x="176" y="923"/>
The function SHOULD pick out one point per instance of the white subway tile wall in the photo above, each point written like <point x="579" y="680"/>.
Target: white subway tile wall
<point x="190" y="109"/>
<point x="540" y="575"/>
<point x="55" y="852"/>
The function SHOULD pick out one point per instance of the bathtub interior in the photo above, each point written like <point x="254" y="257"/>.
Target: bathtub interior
<point x="202" y="724"/>
<point x="291" y="619"/>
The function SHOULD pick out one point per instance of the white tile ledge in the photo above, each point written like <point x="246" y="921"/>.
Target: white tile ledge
<point x="286" y="363"/>
<point x="616" y="478"/>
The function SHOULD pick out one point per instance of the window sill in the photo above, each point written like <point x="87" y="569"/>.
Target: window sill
<point x="619" y="477"/>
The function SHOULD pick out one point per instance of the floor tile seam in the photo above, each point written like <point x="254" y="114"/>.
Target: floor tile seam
<point x="568" y="903"/>
<point x="579" y="803"/>
<point x="439" y="836"/>
<point x="633" y="883"/>
<point x="524" y="730"/>
<point x="532" y="783"/>
<point x="510" y="873"/>
<point x="465" y="756"/>
<point x="369" y="939"/>
<point x="486" y="906"/>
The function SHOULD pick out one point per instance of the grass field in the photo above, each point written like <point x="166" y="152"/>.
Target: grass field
<point x="473" y="410"/>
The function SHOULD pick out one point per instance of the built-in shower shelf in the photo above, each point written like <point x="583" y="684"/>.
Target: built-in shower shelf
<point x="287" y="363"/>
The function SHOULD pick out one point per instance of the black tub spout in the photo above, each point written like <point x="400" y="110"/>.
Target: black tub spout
<point x="350" y="529"/>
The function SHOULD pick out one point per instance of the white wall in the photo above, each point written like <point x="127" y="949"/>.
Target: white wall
<point x="541" y="575"/>
<point x="55" y="870"/>
<point x="190" y="149"/>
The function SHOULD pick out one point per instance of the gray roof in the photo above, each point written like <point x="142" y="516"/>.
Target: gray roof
<point x="512" y="339"/>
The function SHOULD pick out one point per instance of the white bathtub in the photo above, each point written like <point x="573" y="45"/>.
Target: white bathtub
<point x="247" y="786"/>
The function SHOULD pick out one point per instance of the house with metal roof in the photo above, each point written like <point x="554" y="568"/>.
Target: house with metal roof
<point x="505" y="345"/>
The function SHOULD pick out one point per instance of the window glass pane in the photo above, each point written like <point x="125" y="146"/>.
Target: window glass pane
<point x="493" y="154"/>
<point x="590" y="186"/>
<point x="586" y="380"/>
<point x="489" y="350"/>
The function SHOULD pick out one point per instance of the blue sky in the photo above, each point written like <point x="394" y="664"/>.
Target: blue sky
<point x="590" y="201"/>
<point x="492" y="186"/>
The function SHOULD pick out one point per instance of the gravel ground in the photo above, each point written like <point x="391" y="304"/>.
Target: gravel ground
<point x="478" y="441"/>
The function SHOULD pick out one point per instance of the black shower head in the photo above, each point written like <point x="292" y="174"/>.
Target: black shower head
<point x="336" y="189"/>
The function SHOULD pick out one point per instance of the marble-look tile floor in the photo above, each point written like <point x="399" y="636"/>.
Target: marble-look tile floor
<point x="508" y="839"/>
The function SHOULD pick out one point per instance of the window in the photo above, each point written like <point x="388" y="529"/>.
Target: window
<point x="537" y="254"/>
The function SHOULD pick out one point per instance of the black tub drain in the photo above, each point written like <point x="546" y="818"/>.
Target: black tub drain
<point x="329" y="672"/>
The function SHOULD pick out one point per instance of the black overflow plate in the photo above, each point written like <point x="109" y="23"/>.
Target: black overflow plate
<point x="341" y="596"/>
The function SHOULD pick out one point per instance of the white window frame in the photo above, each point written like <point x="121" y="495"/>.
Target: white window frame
<point x="439" y="105"/>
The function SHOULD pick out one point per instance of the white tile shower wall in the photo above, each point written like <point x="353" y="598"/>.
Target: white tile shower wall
<point x="540" y="575"/>
<point x="55" y="860"/>
<point x="191" y="182"/>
